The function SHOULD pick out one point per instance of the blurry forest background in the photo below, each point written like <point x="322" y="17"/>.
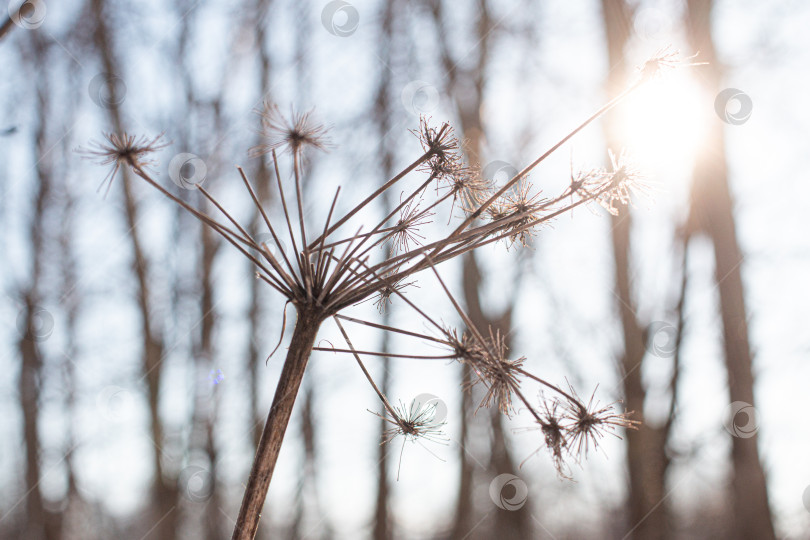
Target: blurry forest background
<point x="134" y="342"/>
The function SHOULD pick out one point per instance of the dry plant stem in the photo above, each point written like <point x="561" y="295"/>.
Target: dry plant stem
<point x="387" y="354"/>
<point x="374" y="195"/>
<point x="522" y="174"/>
<point x="370" y="379"/>
<point x="303" y="339"/>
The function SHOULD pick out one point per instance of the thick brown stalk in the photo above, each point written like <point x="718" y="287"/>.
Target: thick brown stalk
<point x="303" y="338"/>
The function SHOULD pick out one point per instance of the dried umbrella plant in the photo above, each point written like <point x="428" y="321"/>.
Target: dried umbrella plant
<point x="330" y="270"/>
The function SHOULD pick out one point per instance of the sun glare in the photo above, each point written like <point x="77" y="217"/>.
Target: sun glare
<point x="661" y="125"/>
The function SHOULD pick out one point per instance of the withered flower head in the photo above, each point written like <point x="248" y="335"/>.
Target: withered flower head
<point x="551" y="422"/>
<point x="466" y="350"/>
<point x="442" y="146"/>
<point x="521" y="205"/>
<point x="415" y="421"/>
<point x="589" y="424"/>
<point x="405" y="231"/>
<point x="500" y="374"/>
<point x="665" y="59"/>
<point x="498" y="210"/>
<point x="293" y="133"/>
<point x="468" y="188"/>
<point x="383" y="299"/>
<point x="623" y="181"/>
<point x="491" y="364"/>
<point x="587" y="183"/>
<point x="554" y="434"/>
<point x="122" y="149"/>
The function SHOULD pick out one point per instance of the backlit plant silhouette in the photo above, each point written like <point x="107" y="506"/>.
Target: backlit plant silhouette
<point x="337" y="266"/>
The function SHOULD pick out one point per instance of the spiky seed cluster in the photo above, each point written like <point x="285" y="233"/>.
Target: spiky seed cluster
<point x="500" y="374"/>
<point x="517" y="211"/>
<point x="388" y="290"/>
<point x="570" y="427"/>
<point x="491" y="364"/>
<point x="624" y="181"/>
<point x="293" y="133"/>
<point x="554" y="433"/>
<point x="122" y="149"/>
<point x="663" y="60"/>
<point x="442" y="146"/>
<point x="467" y="350"/>
<point x="522" y="207"/>
<point x="405" y="230"/>
<point x="609" y="188"/>
<point x="467" y="188"/>
<point x="414" y="421"/>
<point x="588" y="424"/>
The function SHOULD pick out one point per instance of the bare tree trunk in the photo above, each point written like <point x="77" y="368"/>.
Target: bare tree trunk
<point x="646" y="447"/>
<point x="213" y="517"/>
<point x="308" y="482"/>
<point x="71" y="302"/>
<point x="164" y="493"/>
<point x="383" y="117"/>
<point x="262" y="187"/>
<point x="40" y="523"/>
<point x="383" y="528"/>
<point x="712" y="213"/>
<point x="30" y="376"/>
